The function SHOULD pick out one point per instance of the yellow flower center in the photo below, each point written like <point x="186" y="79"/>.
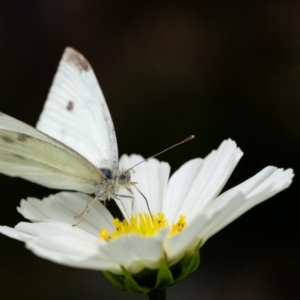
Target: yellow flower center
<point x="143" y="224"/>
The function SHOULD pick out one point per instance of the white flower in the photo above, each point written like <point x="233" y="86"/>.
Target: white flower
<point x="185" y="211"/>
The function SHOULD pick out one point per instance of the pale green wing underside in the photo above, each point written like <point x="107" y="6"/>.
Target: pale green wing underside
<point x="30" y="154"/>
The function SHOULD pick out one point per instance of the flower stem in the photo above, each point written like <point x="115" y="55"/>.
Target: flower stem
<point x="158" y="294"/>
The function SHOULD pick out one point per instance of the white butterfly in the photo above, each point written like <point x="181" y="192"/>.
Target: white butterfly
<point x="74" y="146"/>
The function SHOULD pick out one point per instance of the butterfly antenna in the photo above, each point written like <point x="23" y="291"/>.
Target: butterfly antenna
<point x="182" y="142"/>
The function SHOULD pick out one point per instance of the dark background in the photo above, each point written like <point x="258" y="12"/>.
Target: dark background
<point x="216" y="69"/>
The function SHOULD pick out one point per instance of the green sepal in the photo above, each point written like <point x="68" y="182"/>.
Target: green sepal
<point x="189" y="264"/>
<point x="116" y="280"/>
<point x="142" y="282"/>
<point x="164" y="276"/>
<point x="132" y="285"/>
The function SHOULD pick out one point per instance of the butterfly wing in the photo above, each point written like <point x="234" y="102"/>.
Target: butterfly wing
<point x="76" y="113"/>
<point x="30" y="154"/>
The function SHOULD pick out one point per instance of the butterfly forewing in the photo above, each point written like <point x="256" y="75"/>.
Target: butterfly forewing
<point x="76" y="113"/>
<point x="27" y="153"/>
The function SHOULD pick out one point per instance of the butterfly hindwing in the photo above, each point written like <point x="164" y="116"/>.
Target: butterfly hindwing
<point x="30" y="154"/>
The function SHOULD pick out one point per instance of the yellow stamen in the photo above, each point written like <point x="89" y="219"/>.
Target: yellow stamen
<point x="177" y="227"/>
<point x="105" y="235"/>
<point x="143" y="224"/>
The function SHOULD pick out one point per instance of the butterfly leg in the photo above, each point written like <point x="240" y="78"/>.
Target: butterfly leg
<point x="124" y="196"/>
<point x="86" y="207"/>
<point x="129" y="190"/>
<point x="124" y="209"/>
<point x="85" y="211"/>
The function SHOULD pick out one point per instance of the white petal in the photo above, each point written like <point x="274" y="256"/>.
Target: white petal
<point x="179" y="185"/>
<point x="216" y="170"/>
<point x="211" y="178"/>
<point x="71" y="252"/>
<point x="63" y="243"/>
<point x="227" y="208"/>
<point x="135" y="252"/>
<point x="185" y="241"/>
<point x="55" y="228"/>
<point x="236" y="201"/>
<point x="25" y="231"/>
<point x="14" y="234"/>
<point x="151" y="177"/>
<point x="64" y="207"/>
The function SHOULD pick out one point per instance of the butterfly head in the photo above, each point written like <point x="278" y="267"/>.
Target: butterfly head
<point x="124" y="178"/>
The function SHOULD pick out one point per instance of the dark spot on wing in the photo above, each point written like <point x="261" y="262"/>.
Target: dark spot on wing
<point x="106" y="173"/>
<point x="70" y="106"/>
<point x="22" y="137"/>
<point x="77" y="59"/>
<point x="20" y="157"/>
<point x="7" y="139"/>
